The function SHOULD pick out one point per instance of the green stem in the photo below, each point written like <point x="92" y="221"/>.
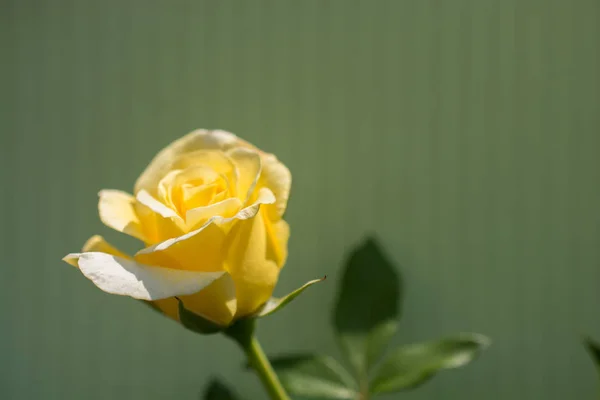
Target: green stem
<point x="263" y="368"/>
<point x="364" y="389"/>
<point x="243" y="333"/>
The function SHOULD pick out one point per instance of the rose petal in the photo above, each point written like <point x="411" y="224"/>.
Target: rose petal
<point x="226" y="209"/>
<point x="117" y="211"/>
<point x="159" y="221"/>
<point x="201" y="249"/>
<point x="146" y="199"/>
<point x="95" y="244"/>
<point x="278" y="178"/>
<point x="197" y="187"/>
<point x="98" y="244"/>
<point x="169" y="307"/>
<point x="254" y="274"/>
<point x="248" y="166"/>
<point x="72" y="259"/>
<point x="278" y="234"/>
<point x="124" y="277"/>
<point x="216" y="302"/>
<point x="265" y="197"/>
<point x="200" y="139"/>
<point x="215" y="159"/>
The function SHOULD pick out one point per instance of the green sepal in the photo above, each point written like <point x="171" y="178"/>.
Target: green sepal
<point x="275" y="304"/>
<point x="217" y="390"/>
<point x="409" y="366"/>
<point x="241" y="331"/>
<point x="195" y="322"/>
<point x="315" y="376"/>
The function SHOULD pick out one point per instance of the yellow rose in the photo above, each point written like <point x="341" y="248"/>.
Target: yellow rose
<point x="209" y="210"/>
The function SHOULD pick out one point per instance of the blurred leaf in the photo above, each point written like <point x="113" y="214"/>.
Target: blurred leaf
<point x="409" y="366"/>
<point x="275" y="304"/>
<point x="594" y="350"/>
<point x="314" y="376"/>
<point x="195" y="322"/>
<point x="217" y="390"/>
<point x="368" y="307"/>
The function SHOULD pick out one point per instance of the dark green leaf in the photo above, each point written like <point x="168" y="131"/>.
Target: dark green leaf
<point x="195" y="322"/>
<point x="409" y="366"/>
<point x="314" y="377"/>
<point x="277" y="303"/>
<point x="594" y="350"/>
<point x="217" y="390"/>
<point x="368" y="307"/>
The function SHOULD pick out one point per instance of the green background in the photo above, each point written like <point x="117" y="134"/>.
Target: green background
<point x="465" y="134"/>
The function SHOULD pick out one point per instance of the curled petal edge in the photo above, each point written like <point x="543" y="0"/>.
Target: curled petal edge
<point x="120" y="276"/>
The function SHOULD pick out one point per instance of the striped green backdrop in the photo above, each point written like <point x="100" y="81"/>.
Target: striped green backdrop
<point x="465" y="134"/>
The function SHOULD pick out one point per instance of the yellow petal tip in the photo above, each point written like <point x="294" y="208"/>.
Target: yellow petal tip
<point x="71" y="259"/>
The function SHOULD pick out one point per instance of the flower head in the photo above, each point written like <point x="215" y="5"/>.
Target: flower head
<point x="209" y="210"/>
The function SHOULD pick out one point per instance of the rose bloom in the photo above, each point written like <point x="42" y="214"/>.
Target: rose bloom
<point x="209" y="211"/>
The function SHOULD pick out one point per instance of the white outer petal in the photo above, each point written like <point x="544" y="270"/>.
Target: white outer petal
<point x="123" y="277"/>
